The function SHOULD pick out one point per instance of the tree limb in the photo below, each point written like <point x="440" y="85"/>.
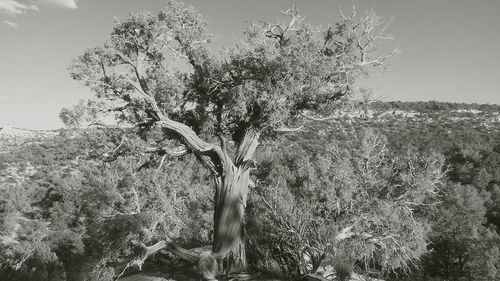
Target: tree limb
<point x="290" y="130"/>
<point x="211" y="154"/>
<point x="147" y="251"/>
<point x="345" y="234"/>
<point x="181" y="151"/>
<point x="246" y="148"/>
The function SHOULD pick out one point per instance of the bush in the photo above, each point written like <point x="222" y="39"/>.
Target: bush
<point x="355" y="196"/>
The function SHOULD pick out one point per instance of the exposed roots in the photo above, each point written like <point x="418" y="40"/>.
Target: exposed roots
<point x="206" y="261"/>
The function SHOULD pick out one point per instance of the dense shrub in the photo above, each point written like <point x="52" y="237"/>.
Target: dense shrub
<point x="355" y="196"/>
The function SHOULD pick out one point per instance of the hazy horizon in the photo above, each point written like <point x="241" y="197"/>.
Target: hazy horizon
<point x="449" y="48"/>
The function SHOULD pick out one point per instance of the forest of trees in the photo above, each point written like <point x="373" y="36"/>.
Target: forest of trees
<point x="214" y="165"/>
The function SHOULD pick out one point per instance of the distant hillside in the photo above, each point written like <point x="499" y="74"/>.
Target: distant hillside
<point x="477" y="115"/>
<point x="11" y="137"/>
<point x="435" y="125"/>
<point x="435" y="106"/>
<point x="487" y="113"/>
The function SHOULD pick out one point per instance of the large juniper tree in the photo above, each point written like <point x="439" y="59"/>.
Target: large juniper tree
<point x="155" y="74"/>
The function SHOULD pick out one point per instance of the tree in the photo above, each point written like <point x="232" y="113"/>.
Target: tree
<point x="461" y="245"/>
<point x="155" y="75"/>
<point x="341" y="200"/>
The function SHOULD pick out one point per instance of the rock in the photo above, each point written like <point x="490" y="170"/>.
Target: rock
<point x="327" y="272"/>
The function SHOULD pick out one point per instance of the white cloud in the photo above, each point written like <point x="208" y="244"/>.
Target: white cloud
<point x="18" y="7"/>
<point x="13" y="25"/>
<point x="3" y="98"/>
<point x="14" y="8"/>
<point x="67" y="4"/>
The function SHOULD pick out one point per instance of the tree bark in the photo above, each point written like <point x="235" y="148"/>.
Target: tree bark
<point x="230" y="203"/>
<point x="235" y="261"/>
<point x="230" y="200"/>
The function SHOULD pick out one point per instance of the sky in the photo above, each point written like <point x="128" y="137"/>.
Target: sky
<point x="450" y="49"/>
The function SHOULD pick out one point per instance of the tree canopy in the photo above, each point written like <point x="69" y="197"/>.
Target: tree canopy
<point x="154" y="65"/>
<point x="156" y="73"/>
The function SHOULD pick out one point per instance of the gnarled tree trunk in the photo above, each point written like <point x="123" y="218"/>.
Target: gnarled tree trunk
<point x="230" y="203"/>
<point x="232" y="179"/>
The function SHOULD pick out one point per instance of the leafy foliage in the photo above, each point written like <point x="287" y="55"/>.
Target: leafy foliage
<point x="77" y="209"/>
<point x="156" y="74"/>
<point x="464" y="226"/>
<point x="162" y="63"/>
<point x="319" y="197"/>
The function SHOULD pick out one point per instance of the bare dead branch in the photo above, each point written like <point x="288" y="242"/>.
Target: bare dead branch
<point x="345" y="234"/>
<point x="367" y="30"/>
<point x="246" y="149"/>
<point x="161" y="163"/>
<point x="180" y="151"/>
<point x="295" y="18"/>
<point x="211" y="154"/>
<point x="279" y="31"/>
<point x="146" y="252"/>
<point x="290" y="130"/>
